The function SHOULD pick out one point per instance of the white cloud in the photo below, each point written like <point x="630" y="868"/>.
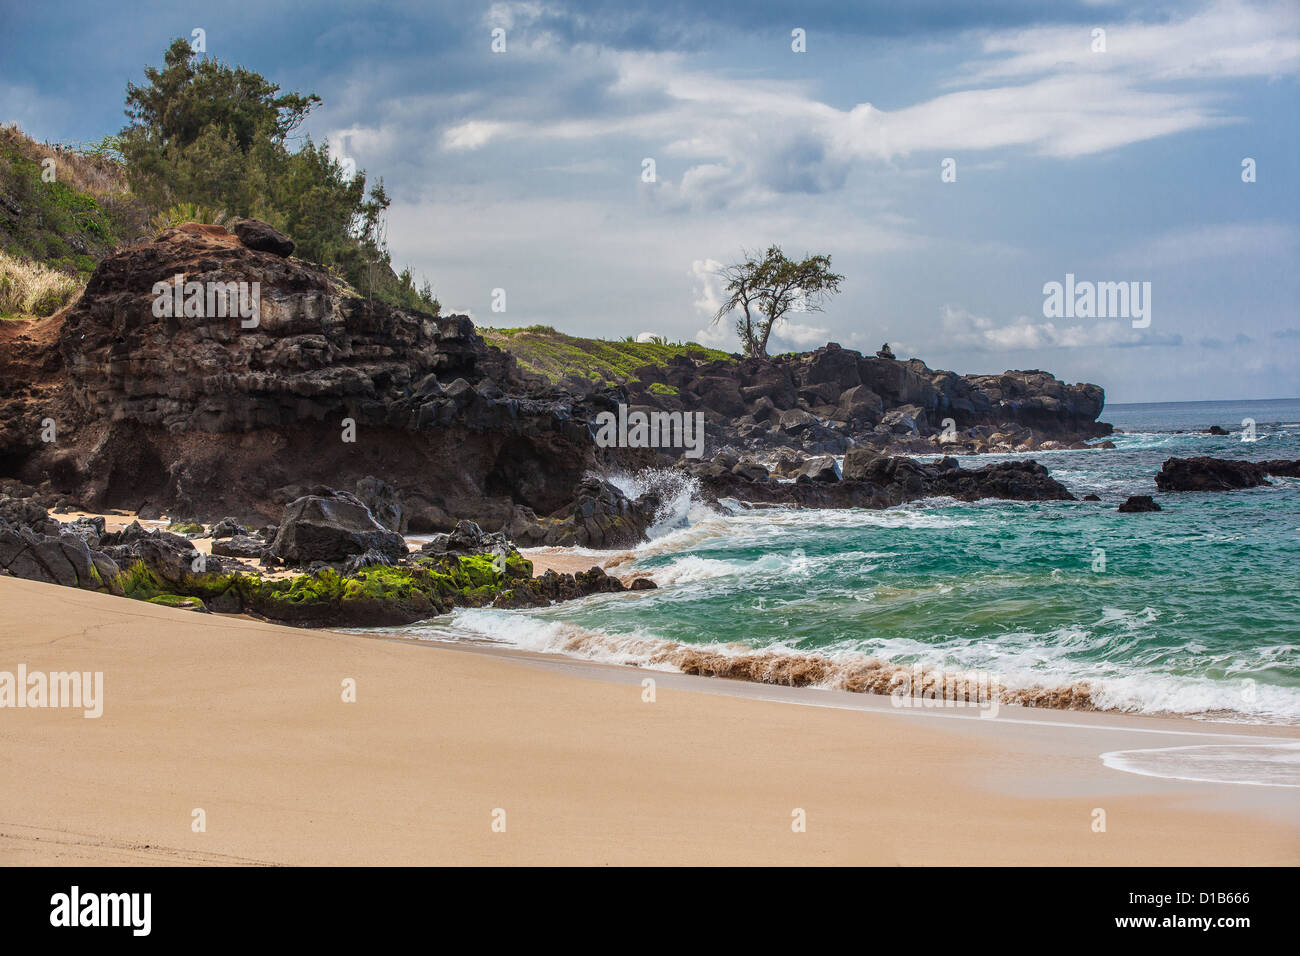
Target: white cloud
<point x="746" y="140"/>
<point x="709" y="285"/>
<point x="473" y="134"/>
<point x="1230" y="38"/>
<point x="806" y="336"/>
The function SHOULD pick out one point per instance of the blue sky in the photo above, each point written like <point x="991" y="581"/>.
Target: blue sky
<point x="522" y="170"/>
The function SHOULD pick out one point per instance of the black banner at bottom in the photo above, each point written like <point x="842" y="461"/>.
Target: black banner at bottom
<point x="333" y="905"/>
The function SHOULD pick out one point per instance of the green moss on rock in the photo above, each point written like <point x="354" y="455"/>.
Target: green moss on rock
<point x="373" y="596"/>
<point x="179" y="601"/>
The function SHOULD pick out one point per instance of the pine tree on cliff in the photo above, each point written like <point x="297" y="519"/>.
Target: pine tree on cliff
<point x="765" y="290"/>
<point x="204" y="133"/>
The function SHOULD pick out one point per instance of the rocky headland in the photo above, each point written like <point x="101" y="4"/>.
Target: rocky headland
<point x="323" y="428"/>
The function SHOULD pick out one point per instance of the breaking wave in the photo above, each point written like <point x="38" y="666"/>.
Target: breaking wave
<point x="679" y="492"/>
<point x="853" y="672"/>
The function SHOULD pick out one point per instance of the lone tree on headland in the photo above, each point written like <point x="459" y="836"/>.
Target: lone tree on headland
<point x="765" y="289"/>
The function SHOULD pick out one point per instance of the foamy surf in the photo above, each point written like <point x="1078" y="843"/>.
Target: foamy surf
<point x="1256" y="765"/>
<point x="1067" y="604"/>
<point x="854" y="672"/>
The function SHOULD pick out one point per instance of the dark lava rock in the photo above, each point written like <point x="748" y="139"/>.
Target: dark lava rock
<point x="601" y="516"/>
<point x="1139" y="503"/>
<point x="821" y="468"/>
<point x="467" y="538"/>
<point x="171" y="558"/>
<point x="53" y="559"/>
<point x="383" y="501"/>
<point x="259" y="236"/>
<point x="1091" y="498"/>
<point x="1217" y="430"/>
<point x="319" y="528"/>
<point x="242" y="546"/>
<point x="228" y="528"/>
<point x="552" y="586"/>
<point x="1212" y="474"/>
<point x="1015" y="480"/>
<point x="370" y="559"/>
<point x="856" y="461"/>
<point x="750" y="471"/>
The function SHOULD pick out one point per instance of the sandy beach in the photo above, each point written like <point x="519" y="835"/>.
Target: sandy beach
<point x="245" y="721"/>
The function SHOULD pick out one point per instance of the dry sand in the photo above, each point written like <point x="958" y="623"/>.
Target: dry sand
<point x="245" y="720"/>
<point x="571" y="561"/>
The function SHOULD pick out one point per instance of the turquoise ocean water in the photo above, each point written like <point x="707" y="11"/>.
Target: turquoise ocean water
<point x="1195" y="610"/>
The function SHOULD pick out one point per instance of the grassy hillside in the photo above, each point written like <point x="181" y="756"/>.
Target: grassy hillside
<point x="62" y="209"/>
<point x="541" y="349"/>
<point x="66" y="207"/>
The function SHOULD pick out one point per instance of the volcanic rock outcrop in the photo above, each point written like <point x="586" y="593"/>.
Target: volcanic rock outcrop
<point x="881" y="481"/>
<point x="826" y="400"/>
<point x="1220" y="474"/>
<point x="215" y="413"/>
<point x="1137" y="504"/>
<point x="209" y="374"/>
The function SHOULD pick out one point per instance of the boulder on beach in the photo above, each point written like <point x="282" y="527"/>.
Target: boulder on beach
<point x="600" y="516"/>
<point x="64" y="559"/>
<point x="383" y="501"/>
<point x="228" y="528"/>
<point x="242" y="546"/>
<point x="332" y="528"/>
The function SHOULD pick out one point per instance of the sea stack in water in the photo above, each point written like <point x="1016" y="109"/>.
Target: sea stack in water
<point x="1139" y="503"/>
<point x="1221" y="474"/>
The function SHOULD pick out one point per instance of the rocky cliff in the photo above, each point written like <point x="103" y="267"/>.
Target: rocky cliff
<point x="200" y="415"/>
<point x="157" y="394"/>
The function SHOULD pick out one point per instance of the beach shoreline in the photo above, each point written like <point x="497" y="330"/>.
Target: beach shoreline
<point x="244" y="720"/>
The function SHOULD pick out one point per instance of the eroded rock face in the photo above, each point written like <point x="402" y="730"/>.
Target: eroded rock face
<point x="212" y="415"/>
<point x="313" y="351"/>
<point x="383" y="501"/>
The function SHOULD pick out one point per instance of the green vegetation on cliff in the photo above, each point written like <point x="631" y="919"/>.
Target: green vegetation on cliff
<point x="206" y="142"/>
<point x="556" y="356"/>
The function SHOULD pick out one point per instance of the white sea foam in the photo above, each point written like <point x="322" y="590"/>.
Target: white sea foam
<point x="679" y="492"/>
<point x="1260" y="765"/>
